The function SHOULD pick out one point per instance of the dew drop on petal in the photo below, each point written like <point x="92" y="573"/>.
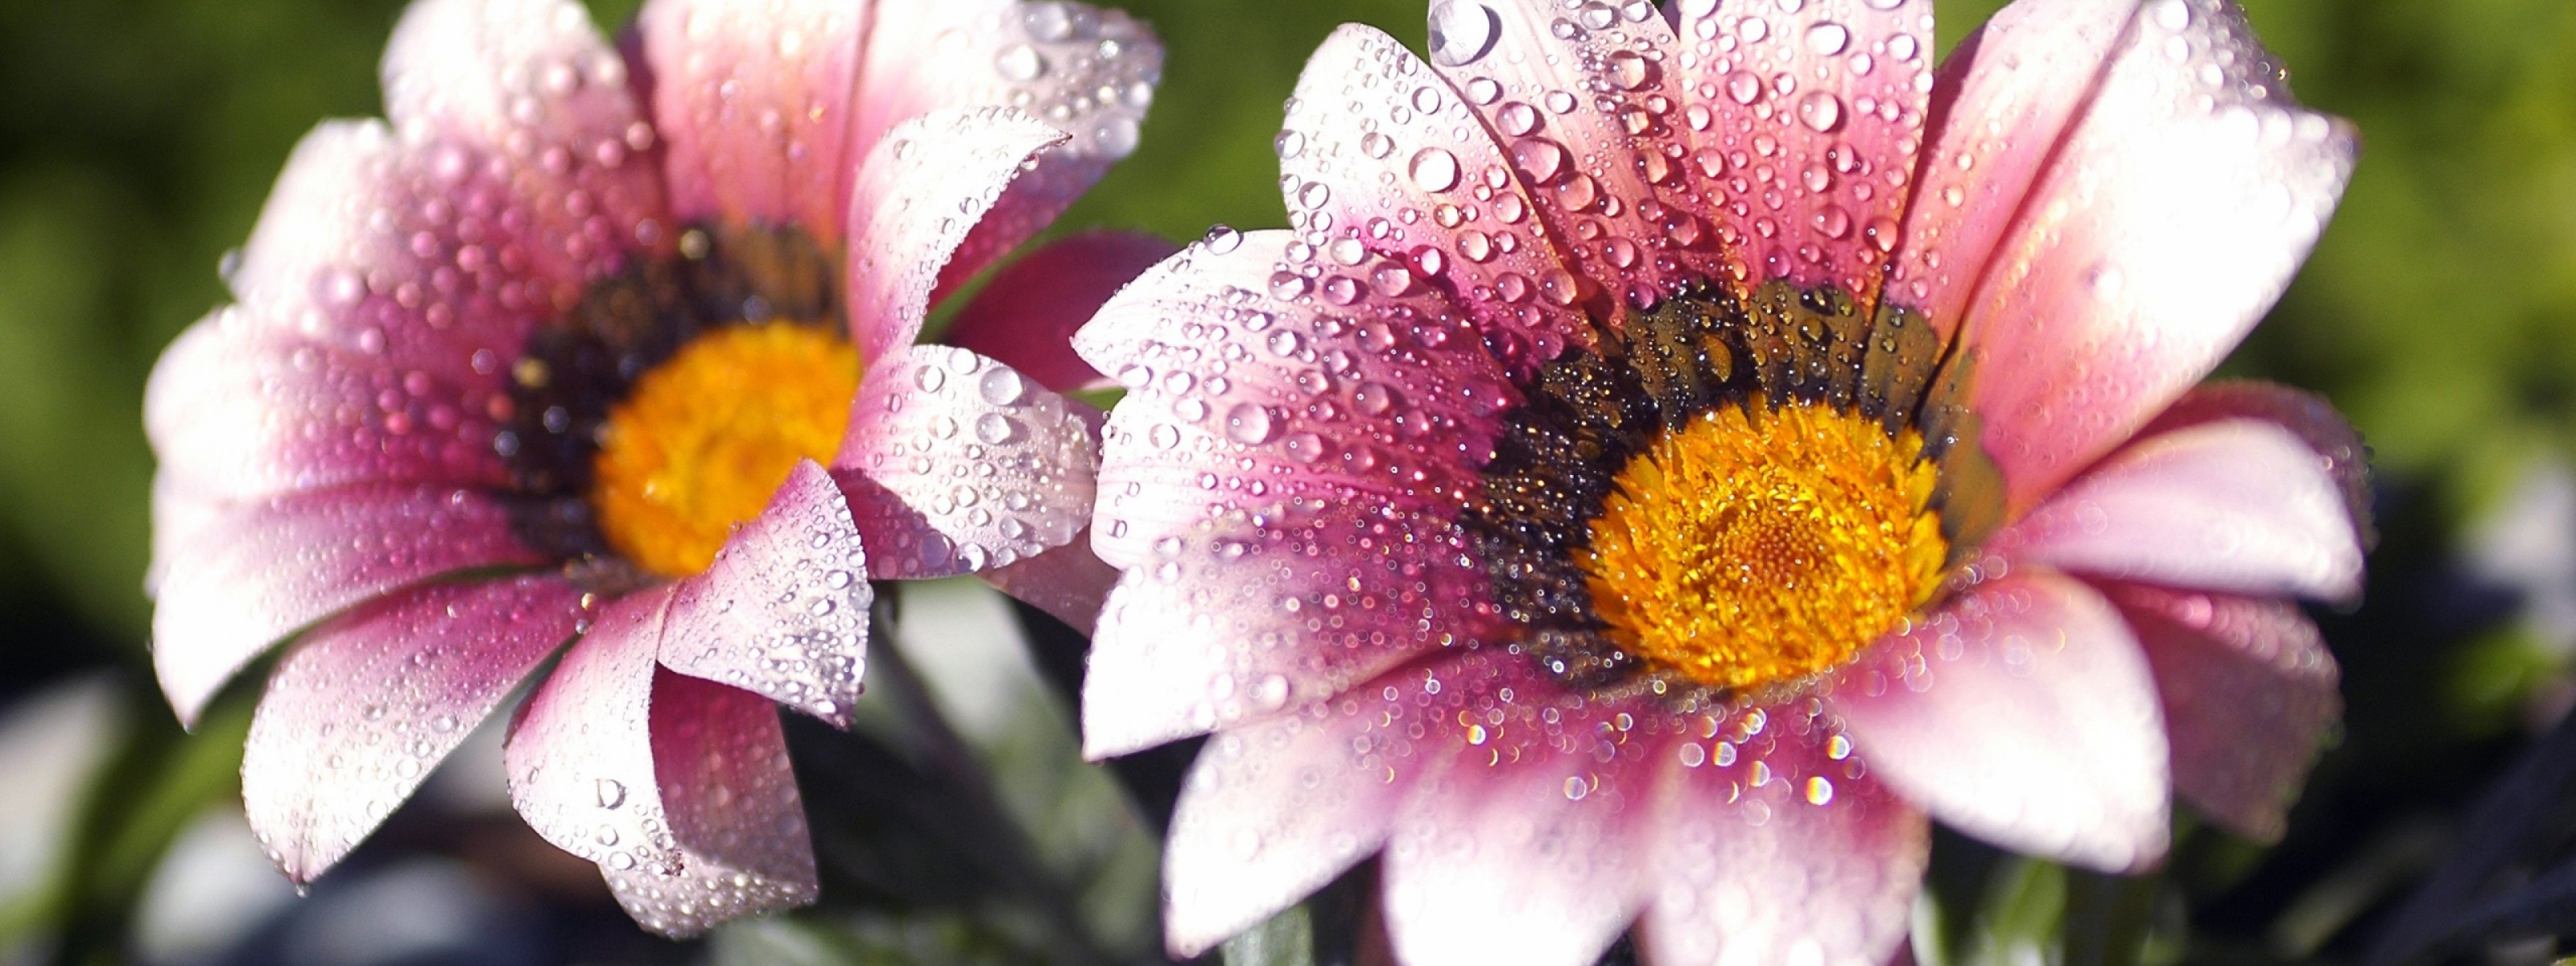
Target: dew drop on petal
<point x="1435" y="169"/>
<point x="1463" y="32"/>
<point x="1828" y="38"/>
<point x="1250" y="424"/>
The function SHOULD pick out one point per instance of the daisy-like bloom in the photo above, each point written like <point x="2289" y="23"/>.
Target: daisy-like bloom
<point x="614" y="347"/>
<point x="1676" y="450"/>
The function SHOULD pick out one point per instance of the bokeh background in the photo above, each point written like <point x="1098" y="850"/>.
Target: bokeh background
<point x="138" y="137"/>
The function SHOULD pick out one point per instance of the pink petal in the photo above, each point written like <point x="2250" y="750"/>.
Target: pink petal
<point x="180" y="511"/>
<point x="1399" y="182"/>
<point x="366" y="705"/>
<point x="1589" y="111"/>
<point x="1088" y="72"/>
<point x="1536" y="843"/>
<point x="1069" y="582"/>
<point x="754" y="100"/>
<point x="783" y="610"/>
<point x="377" y="312"/>
<point x="1392" y="399"/>
<point x="955" y="463"/>
<point x="2001" y="105"/>
<point x="1242" y="619"/>
<point x="2238" y="505"/>
<point x="2306" y="415"/>
<point x="2168" y="221"/>
<point x="1780" y="848"/>
<point x="580" y="754"/>
<point x="721" y="762"/>
<point x="1274" y="810"/>
<point x="2023" y="713"/>
<point x="1025" y="318"/>
<point x="2249" y="692"/>
<point x="917" y="194"/>
<point x="527" y="91"/>
<point x="268" y="568"/>
<point x="1814" y="114"/>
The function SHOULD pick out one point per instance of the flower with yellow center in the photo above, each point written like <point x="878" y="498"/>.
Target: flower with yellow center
<point x="550" y="384"/>
<point x="1674" y="449"/>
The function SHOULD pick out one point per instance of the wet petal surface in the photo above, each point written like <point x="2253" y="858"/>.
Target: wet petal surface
<point x="580" y="754"/>
<point x="783" y="611"/>
<point x="2237" y="505"/>
<point x="1780" y="848"/>
<point x="1238" y="621"/>
<point x="955" y="463"/>
<point x="1246" y="392"/>
<point x="369" y="703"/>
<point x="918" y="193"/>
<point x="2249" y="693"/>
<point x="1807" y="119"/>
<point x="2169" y="221"/>
<point x="754" y="100"/>
<point x="1380" y="155"/>
<point x="266" y="569"/>
<point x="2023" y="714"/>
<point x="1085" y="71"/>
<point x="721" y="763"/>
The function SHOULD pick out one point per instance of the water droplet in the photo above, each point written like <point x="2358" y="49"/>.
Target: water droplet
<point x="1001" y="386"/>
<point x="1249" y="424"/>
<point x="1019" y="62"/>
<point x="1828" y="38"/>
<point x="1820" y="111"/>
<point x="612" y="793"/>
<point x="1540" y="160"/>
<point x="1743" y="87"/>
<point x="1629" y="69"/>
<point x="1288" y="286"/>
<point x="1435" y="169"/>
<point x="1462" y="32"/>
<point x="2172" y="14"/>
<point x="1517" y="119"/>
<point x="996" y="429"/>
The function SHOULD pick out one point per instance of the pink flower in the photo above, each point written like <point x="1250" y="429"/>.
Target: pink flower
<point x="562" y="352"/>
<point x="1676" y="450"/>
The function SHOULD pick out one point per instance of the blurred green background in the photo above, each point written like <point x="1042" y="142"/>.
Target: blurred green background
<point x="138" y="137"/>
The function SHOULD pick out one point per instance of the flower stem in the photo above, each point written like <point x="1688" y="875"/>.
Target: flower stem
<point x="948" y="756"/>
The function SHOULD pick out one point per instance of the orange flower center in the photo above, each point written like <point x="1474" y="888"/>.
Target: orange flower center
<point x="703" y="440"/>
<point x="1758" y="546"/>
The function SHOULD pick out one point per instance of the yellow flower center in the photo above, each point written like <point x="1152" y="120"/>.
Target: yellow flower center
<point x="1748" y="548"/>
<point x="703" y="440"/>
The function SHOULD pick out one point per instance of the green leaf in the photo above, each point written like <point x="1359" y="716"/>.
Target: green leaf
<point x="1287" y="939"/>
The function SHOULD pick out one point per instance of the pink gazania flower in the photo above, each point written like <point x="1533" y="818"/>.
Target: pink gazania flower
<point x="1677" y="450"/>
<point x="614" y="347"/>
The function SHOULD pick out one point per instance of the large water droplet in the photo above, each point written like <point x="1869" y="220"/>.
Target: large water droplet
<point x="1462" y="32"/>
<point x="1019" y="62"/>
<point x="1250" y="424"/>
<point x="1001" y="386"/>
<point x="1435" y="169"/>
<point x="1828" y="38"/>
<point x="1820" y="111"/>
<point x="1540" y="160"/>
